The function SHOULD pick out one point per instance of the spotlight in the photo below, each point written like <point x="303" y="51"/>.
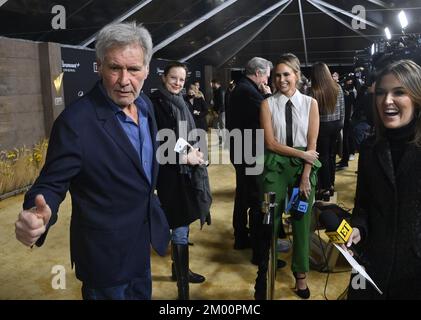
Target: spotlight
<point x="373" y="49"/>
<point x="402" y="19"/>
<point x="387" y="33"/>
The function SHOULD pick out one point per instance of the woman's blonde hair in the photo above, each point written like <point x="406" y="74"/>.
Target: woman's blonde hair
<point x="193" y="87"/>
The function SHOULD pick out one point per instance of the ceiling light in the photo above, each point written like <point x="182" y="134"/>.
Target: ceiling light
<point x="387" y="33"/>
<point x="402" y="19"/>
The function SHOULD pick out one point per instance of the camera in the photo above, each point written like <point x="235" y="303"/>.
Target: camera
<point x="370" y="61"/>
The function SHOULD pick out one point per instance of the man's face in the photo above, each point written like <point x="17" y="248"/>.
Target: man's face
<point x="263" y="77"/>
<point x="123" y="73"/>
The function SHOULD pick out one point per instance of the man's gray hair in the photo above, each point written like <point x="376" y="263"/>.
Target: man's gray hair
<point x="258" y="64"/>
<point x="121" y="35"/>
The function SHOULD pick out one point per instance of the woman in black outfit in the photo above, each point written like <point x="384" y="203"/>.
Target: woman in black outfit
<point x="183" y="185"/>
<point x="198" y="107"/>
<point x="330" y="98"/>
<point x="386" y="219"/>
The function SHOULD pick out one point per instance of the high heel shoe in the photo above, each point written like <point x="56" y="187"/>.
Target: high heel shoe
<point x="323" y="195"/>
<point x="302" y="293"/>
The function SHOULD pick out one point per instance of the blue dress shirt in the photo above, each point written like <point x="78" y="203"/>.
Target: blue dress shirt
<point x="139" y="135"/>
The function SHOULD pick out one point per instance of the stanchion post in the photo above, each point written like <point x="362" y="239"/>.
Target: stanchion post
<point x="269" y="219"/>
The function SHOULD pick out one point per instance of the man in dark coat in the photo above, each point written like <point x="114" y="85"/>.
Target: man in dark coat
<point x="244" y="109"/>
<point x="102" y="149"/>
<point x="219" y="107"/>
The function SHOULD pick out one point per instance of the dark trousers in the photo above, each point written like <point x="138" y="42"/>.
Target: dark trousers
<point x="135" y="289"/>
<point x="247" y="203"/>
<point x="348" y="146"/>
<point x="326" y="147"/>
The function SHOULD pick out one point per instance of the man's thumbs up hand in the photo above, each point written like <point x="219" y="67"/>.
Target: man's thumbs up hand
<point x="31" y="224"/>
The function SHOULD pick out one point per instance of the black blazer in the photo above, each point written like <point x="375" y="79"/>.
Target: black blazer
<point x="115" y="213"/>
<point x="388" y="212"/>
<point x="244" y="111"/>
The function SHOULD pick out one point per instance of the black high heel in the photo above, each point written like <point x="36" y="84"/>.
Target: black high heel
<point x="302" y="293"/>
<point x="323" y="195"/>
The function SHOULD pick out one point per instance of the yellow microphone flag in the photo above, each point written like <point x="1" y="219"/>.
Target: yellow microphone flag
<point x="342" y="234"/>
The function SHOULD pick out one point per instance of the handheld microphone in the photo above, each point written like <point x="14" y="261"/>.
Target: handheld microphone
<point x="337" y="231"/>
<point x="297" y="205"/>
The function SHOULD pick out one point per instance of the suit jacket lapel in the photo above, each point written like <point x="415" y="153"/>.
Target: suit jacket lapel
<point x="153" y="131"/>
<point x="114" y="129"/>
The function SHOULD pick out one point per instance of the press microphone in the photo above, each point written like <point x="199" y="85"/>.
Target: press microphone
<point x="337" y="231"/>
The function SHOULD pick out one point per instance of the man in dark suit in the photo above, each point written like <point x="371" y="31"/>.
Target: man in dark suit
<point x="102" y="149"/>
<point x="243" y="114"/>
<point x="219" y="107"/>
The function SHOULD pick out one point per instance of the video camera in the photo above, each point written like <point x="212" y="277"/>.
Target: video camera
<point x="371" y="60"/>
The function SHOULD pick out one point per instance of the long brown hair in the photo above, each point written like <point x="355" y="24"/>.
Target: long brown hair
<point x="323" y="88"/>
<point x="408" y="74"/>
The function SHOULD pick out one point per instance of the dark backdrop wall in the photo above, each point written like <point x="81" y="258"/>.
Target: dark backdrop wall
<point x="80" y="73"/>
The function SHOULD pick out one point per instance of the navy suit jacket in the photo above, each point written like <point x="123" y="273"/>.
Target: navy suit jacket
<point x="115" y="213"/>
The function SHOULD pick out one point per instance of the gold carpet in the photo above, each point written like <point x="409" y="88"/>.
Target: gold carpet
<point x="27" y="273"/>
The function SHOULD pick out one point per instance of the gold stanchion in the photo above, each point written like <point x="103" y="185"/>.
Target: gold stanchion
<point x="269" y="219"/>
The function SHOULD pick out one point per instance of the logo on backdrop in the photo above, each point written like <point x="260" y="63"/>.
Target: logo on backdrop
<point x="159" y="71"/>
<point x="69" y="67"/>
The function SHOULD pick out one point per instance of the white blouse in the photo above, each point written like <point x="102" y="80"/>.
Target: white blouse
<point x="300" y="116"/>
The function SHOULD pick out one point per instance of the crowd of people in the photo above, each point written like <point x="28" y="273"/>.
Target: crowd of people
<point x="114" y="147"/>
